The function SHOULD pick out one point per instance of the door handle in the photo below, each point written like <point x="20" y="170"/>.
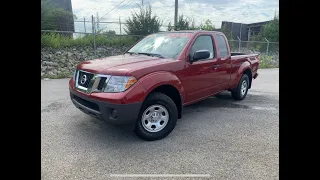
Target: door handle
<point x="215" y="66"/>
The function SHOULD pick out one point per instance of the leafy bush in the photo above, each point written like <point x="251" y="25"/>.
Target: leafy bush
<point x="183" y="24"/>
<point x="269" y="31"/>
<point x="267" y="62"/>
<point x="143" y="23"/>
<point x="207" y="26"/>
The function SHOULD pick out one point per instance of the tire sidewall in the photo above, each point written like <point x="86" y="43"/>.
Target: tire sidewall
<point x="244" y="78"/>
<point x="173" y="116"/>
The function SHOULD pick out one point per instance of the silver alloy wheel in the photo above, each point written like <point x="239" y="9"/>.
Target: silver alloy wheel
<point x="155" y="118"/>
<point x="243" y="87"/>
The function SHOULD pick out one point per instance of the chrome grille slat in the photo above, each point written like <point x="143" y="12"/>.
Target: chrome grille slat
<point x="93" y="84"/>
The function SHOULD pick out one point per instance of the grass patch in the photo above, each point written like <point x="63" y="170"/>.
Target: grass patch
<point x="56" y="40"/>
<point x="267" y="62"/>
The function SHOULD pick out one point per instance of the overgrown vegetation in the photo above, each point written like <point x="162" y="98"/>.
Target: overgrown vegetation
<point x="269" y="31"/>
<point x="267" y="62"/>
<point x="57" y="76"/>
<point x="207" y="26"/>
<point x="183" y="23"/>
<point x="55" y="40"/>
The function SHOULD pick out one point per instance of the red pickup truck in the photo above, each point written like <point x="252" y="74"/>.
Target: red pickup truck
<point x="149" y="84"/>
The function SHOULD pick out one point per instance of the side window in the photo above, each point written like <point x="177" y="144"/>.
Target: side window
<point x="203" y="43"/>
<point x="222" y="46"/>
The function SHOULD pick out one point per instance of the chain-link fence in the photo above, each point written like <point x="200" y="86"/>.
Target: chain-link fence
<point x="65" y="43"/>
<point x="264" y="47"/>
<point x="100" y="35"/>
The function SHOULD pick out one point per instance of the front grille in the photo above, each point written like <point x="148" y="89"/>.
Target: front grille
<point x="84" y="79"/>
<point x="89" y="82"/>
<point x="101" y="83"/>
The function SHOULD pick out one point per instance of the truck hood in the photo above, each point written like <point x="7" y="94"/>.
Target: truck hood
<point x="121" y="64"/>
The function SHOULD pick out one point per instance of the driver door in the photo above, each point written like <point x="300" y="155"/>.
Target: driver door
<point x="201" y="76"/>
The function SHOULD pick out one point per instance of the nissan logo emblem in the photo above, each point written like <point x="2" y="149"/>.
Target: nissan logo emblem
<point x="83" y="79"/>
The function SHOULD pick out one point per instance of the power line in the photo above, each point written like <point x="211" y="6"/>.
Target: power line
<point x="114" y="8"/>
<point x="125" y="5"/>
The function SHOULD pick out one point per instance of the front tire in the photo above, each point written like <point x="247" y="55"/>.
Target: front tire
<point x="157" y="118"/>
<point x="242" y="89"/>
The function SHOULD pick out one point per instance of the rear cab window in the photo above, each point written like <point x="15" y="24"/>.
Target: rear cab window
<point x="221" y="43"/>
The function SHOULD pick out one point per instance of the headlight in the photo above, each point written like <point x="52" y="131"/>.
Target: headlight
<point x="119" y="83"/>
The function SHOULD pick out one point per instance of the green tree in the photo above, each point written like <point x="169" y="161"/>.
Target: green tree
<point x="143" y="23"/>
<point x="111" y="32"/>
<point x="193" y="25"/>
<point x="183" y="24"/>
<point x="226" y="31"/>
<point x="53" y="18"/>
<point x="269" y="31"/>
<point x="207" y="26"/>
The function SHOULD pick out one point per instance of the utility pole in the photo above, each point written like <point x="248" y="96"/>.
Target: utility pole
<point x="142" y="2"/>
<point x="175" y="14"/>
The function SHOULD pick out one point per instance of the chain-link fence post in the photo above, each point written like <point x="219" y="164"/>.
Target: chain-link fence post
<point x="239" y="43"/>
<point x="240" y="29"/>
<point x="94" y="36"/>
<point x="267" y="45"/>
<point x="231" y="37"/>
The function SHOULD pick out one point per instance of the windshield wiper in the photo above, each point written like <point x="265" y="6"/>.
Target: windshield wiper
<point x="131" y="52"/>
<point x="148" y="54"/>
<point x="153" y="54"/>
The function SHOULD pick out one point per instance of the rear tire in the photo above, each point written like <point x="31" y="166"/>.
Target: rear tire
<point x="157" y="118"/>
<point x="242" y="89"/>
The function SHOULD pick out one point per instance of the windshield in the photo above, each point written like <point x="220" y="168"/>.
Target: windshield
<point x="168" y="45"/>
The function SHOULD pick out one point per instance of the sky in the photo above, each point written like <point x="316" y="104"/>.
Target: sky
<point x="241" y="11"/>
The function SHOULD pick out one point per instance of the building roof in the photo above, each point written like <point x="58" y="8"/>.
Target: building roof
<point x="257" y="24"/>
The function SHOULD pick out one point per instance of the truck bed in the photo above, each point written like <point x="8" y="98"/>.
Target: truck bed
<point x="237" y="59"/>
<point x="242" y="54"/>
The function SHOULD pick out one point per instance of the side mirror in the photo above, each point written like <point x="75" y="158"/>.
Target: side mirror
<point x="201" y="54"/>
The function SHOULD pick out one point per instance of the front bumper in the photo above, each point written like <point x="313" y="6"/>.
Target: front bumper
<point x="126" y="113"/>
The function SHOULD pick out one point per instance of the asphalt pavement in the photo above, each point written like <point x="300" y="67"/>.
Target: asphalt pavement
<point x="217" y="138"/>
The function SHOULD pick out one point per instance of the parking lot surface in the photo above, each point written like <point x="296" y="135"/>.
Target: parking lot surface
<point x="219" y="137"/>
